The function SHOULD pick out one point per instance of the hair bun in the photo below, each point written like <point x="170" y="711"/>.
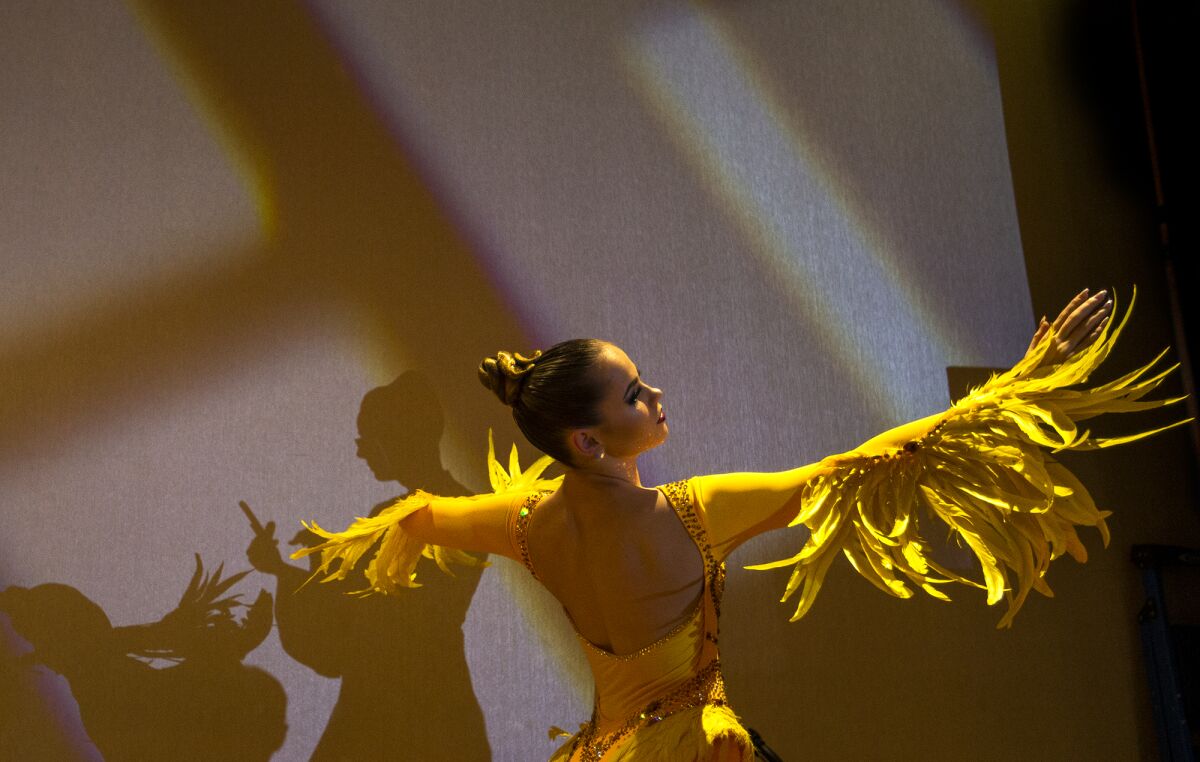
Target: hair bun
<point x="505" y="374"/>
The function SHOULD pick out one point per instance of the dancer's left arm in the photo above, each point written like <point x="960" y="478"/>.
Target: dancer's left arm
<point x="739" y="506"/>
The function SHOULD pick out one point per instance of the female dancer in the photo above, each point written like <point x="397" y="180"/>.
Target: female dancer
<point x="639" y="571"/>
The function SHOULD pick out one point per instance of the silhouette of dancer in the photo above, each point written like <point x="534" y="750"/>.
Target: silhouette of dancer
<point x="207" y="705"/>
<point x="406" y="691"/>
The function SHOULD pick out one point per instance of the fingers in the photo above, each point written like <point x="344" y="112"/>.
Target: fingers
<point x="255" y="524"/>
<point x="1081" y="312"/>
<point x="1095" y="334"/>
<point x="1043" y="326"/>
<point x="1063" y="316"/>
<point x="1099" y="316"/>
<point x="1087" y="320"/>
<point x="1078" y="326"/>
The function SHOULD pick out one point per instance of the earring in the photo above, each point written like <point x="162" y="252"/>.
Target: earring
<point x="600" y="455"/>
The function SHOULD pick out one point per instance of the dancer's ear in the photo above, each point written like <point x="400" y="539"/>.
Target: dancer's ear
<point x="584" y="445"/>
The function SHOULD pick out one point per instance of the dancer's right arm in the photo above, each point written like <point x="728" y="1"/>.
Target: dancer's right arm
<point x="478" y="524"/>
<point x="419" y="524"/>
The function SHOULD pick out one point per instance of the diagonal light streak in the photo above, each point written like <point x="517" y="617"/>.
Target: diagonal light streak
<point x="792" y="218"/>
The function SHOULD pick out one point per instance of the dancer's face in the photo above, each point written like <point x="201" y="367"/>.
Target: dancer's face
<point x="631" y="412"/>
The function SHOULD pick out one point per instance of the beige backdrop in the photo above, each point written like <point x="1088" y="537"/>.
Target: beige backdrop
<point x="223" y="226"/>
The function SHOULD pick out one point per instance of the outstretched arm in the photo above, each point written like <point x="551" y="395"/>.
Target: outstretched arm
<point x="478" y="524"/>
<point x="740" y="506"/>
<point x="438" y="528"/>
<point x="420" y="524"/>
<point x="982" y="470"/>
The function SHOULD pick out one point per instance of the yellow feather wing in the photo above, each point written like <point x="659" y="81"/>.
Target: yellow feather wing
<point x="985" y="471"/>
<point x="394" y="564"/>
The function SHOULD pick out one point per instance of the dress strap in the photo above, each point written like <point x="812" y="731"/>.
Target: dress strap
<point x="520" y="528"/>
<point x="679" y="495"/>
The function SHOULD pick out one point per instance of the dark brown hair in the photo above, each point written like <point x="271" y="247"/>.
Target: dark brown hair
<point x="550" y="393"/>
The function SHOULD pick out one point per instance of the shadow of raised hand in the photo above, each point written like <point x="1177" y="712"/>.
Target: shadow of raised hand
<point x="204" y="704"/>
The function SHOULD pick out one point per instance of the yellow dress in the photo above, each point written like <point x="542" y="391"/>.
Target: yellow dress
<point x="667" y="699"/>
<point x="981" y="471"/>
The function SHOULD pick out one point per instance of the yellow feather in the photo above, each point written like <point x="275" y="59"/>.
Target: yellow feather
<point x="394" y="563"/>
<point x="984" y="471"/>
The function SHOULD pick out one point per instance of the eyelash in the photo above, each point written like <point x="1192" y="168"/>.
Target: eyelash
<point x="638" y="392"/>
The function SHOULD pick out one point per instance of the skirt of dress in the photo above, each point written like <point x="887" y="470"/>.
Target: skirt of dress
<point x="700" y="734"/>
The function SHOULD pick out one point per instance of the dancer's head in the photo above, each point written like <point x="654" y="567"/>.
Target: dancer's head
<point x="578" y="401"/>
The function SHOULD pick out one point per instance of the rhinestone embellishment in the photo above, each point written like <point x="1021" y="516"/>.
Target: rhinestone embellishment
<point x="705" y="688"/>
<point x="523" y="517"/>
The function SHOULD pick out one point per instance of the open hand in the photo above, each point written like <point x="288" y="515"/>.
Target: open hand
<point x="1075" y="328"/>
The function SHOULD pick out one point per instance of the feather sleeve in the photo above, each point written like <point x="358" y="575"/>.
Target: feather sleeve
<point x="984" y="470"/>
<point x="397" y="550"/>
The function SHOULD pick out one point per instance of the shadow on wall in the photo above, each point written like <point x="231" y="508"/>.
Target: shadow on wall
<point x="206" y="705"/>
<point x="401" y="660"/>
<point x="402" y="664"/>
<point x="349" y="221"/>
